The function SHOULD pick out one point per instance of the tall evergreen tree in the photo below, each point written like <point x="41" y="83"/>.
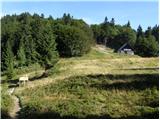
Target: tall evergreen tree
<point x="21" y="54"/>
<point x="148" y="32"/>
<point x="155" y="32"/>
<point x="48" y="55"/>
<point x="66" y="18"/>
<point x="30" y="50"/>
<point x="42" y="15"/>
<point x="50" y="17"/>
<point x="146" y="46"/>
<point x="9" y="61"/>
<point x="112" y="21"/>
<point x="139" y="31"/>
<point x="128" y="24"/>
<point x="140" y="46"/>
<point x="153" y="49"/>
<point x="106" y="20"/>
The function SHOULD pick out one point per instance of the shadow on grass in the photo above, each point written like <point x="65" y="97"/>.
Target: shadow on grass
<point x="13" y="81"/>
<point x="56" y="115"/>
<point x="44" y="75"/>
<point x="134" y="81"/>
<point x="5" y="114"/>
<point x="153" y="68"/>
<point x="146" y="115"/>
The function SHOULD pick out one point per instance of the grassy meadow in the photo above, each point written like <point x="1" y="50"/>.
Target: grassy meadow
<point x="100" y="84"/>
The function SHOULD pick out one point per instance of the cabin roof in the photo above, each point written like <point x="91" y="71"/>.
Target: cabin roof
<point x="126" y="45"/>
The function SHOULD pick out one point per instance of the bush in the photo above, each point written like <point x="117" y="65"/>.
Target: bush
<point x="6" y="103"/>
<point x="72" y="41"/>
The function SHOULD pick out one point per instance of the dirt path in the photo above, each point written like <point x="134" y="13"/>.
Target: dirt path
<point x="14" y="112"/>
<point x="101" y="49"/>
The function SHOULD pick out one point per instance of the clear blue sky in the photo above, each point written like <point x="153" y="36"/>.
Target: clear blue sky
<point x="144" y="13"/>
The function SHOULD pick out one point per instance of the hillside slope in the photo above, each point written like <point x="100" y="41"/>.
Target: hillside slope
<point x="101" y="84"/>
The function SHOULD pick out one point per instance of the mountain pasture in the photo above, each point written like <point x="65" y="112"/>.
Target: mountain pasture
<point x="97" y="85"/>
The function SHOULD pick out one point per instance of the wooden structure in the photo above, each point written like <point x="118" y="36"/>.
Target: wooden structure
<point x="23" y="80"/>
<point x="126" y="49"/>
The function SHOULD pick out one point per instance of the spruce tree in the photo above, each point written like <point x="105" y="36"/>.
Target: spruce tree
<point x="148" y="32"/>
<point x="21" y="54"/>
<point x="146" y="46"/>
<point x="48" y="55"/>
<point x="128" y="24"/>
<point x="139" y="31"/>
<point x="155" y="32"/>
<point x="9" y="61"/>
<point x="112" y="21"/>
<point x="153" y="49"/>
<point x="106" y="20"/>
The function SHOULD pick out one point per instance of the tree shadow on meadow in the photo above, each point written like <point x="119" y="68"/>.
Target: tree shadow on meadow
<point x="153" y="68"/>
<point x="133" y="81"/>
<point x="38" y="77"/>
<point x="12" y="81"/>
<point x="57" y="115"/>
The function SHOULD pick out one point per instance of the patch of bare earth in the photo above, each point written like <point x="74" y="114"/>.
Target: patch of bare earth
<point x="16" y="108"/>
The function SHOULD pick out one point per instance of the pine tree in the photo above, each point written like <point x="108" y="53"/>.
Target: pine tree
<point x="112" y="21"/>
<point x="139" y="31"/>
<point x="50" y="18"/>
<point x="42" y="15"/>
<point x="155" y="32"/>
<point x="66" y="19"/>
<point x="147" y="46"/>
<point x="148" y="32"/>
<point x="30" y="50"/>
<point x="106" y="20"/>
<point x="152" y="46"/>
<point x="21" y="54"/>
<point x="128" y="24"/>
<point x="47" y="47"/>
<point x="9" y="61"/>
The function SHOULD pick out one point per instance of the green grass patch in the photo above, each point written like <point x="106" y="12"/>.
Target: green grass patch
<point x="106" y="54"/>
<point x="94" y="96"/>
<point x="6" y="102"/>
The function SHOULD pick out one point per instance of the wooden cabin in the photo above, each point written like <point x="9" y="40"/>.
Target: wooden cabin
<point x="126" y="49"/>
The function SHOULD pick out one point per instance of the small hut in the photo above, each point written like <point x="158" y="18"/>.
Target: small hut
<point x="126" y="49"/>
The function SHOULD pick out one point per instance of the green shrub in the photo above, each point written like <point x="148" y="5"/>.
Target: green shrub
<point x="6" y="103"/>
